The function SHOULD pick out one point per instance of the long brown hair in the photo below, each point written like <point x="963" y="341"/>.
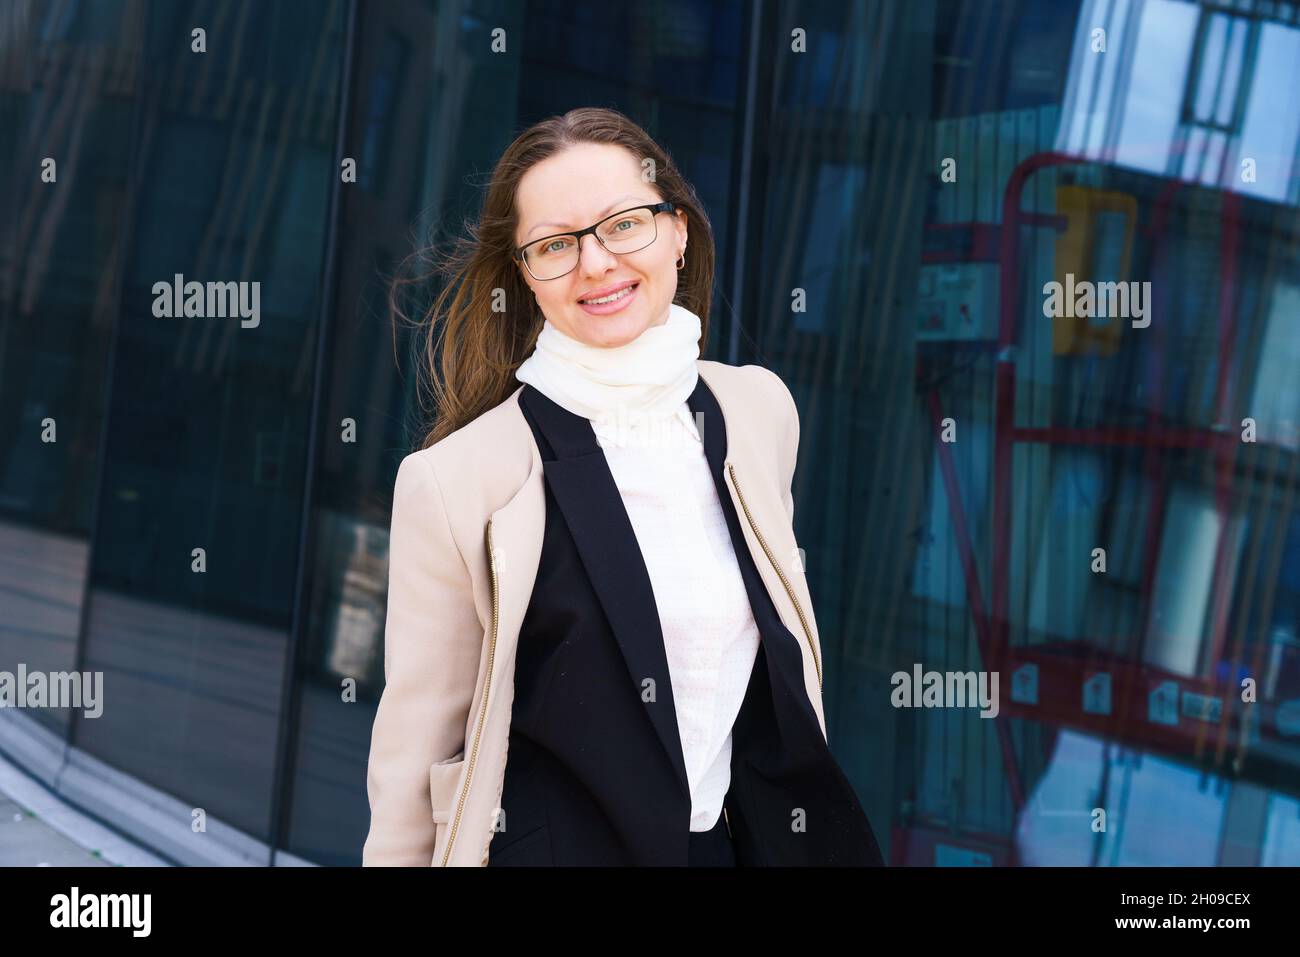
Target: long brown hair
<point x="469" y="353"/>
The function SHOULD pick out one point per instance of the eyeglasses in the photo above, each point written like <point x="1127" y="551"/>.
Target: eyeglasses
<point x="554" y="256"/>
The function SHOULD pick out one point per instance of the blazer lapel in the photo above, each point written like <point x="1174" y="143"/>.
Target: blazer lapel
<point x="722" y="452"/>
<point x="578" y="476"/>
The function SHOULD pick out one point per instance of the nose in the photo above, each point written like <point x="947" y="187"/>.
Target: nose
<point x="595" y="262"/>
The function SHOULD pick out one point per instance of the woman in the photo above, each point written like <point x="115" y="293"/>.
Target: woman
<point x="592" y="566"/>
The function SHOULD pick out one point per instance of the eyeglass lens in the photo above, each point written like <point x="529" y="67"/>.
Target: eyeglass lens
<point x="621" y="233"/>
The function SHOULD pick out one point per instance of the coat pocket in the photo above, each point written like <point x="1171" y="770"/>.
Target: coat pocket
<point x="444" y="780"/>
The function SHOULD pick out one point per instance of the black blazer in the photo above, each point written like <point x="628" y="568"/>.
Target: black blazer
<point x="595" y="773"/>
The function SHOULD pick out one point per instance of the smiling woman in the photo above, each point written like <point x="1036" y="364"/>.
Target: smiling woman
<point x="576" y="580"/>
<point x="625" y="263"/>
<point x="592" y="171"/>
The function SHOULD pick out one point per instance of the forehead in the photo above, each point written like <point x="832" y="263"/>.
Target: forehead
<point x="573" y="187"/>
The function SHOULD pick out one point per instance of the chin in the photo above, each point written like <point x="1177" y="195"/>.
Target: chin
<point x="610" y="331"/>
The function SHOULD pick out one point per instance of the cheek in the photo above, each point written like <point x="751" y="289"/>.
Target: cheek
<point x="661" y="265"/>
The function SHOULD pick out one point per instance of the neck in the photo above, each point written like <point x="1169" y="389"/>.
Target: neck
<point x="650" y="376"/>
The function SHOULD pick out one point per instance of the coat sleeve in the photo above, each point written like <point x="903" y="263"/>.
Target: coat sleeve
<point x="792" y="451"/>
<point x="787" y="461"/>
<point x="789" y="450"/>
<point x="432" y="641"/>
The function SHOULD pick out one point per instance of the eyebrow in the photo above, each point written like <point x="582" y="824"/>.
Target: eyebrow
<point x="608" y="209"/>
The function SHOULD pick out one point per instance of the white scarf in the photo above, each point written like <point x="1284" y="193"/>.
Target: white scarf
<point x="621" y="389"/>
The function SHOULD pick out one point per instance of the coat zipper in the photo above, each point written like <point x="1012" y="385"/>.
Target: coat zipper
<point x="812" y="646"/>
<point x="487" y="684"/>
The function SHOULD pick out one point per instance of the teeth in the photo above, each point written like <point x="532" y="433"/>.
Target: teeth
<point x="618" y="295"/>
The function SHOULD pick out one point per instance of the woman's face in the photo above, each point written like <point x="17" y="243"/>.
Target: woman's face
<point x="572" y="190"/>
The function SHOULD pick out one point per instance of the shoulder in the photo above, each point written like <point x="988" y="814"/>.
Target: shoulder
<point x="758" y="400"/>
<point x="757" y="389"/>
<point x="488" y="458"/>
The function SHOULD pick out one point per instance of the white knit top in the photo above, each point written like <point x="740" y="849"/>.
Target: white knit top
<point x="710" y="637"/>
<point x="656" y="457"/>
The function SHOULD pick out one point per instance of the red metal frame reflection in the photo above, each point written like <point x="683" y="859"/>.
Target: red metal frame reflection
<point x="1063" y="664"/>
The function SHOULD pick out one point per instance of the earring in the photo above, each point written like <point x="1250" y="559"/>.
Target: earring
<point x="681" y="260"/>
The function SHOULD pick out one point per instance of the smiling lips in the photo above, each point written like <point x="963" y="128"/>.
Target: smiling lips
<point x="623" y="294"/>
<point x="606" y="292"/>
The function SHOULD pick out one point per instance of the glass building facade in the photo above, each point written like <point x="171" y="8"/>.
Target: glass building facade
<point x="1098" y="505"/>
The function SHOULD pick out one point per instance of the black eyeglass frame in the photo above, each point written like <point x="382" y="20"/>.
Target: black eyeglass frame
<point x="655" y="210"/>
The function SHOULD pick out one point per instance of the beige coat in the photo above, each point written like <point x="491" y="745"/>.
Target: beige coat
<point x="438" y="745"/>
